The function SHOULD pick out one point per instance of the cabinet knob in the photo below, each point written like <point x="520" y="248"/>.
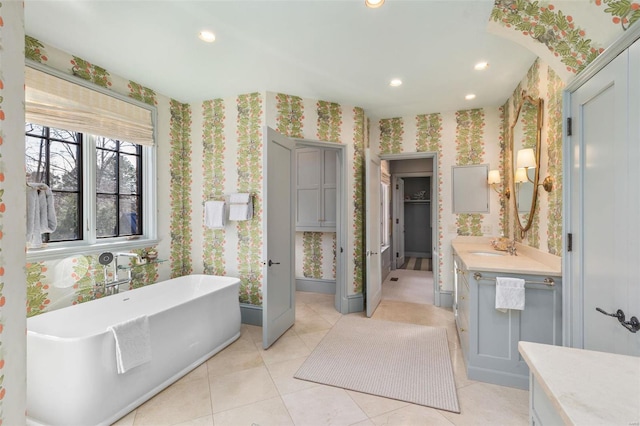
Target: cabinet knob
<point x="462" y="329"/>
<point x="461" y="297"/>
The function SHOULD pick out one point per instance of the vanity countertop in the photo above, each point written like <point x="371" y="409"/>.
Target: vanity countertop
<point x="587" y="387"/>
<point x="528" y="261"/>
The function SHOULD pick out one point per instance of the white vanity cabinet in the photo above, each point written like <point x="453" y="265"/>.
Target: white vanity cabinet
<point x="316" y="185"/>
<point x="489" y="338"/>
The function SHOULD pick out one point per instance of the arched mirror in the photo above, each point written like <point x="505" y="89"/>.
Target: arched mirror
<point x="525" y="148"/>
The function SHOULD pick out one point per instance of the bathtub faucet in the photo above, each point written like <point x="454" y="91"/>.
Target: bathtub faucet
<point x="113" y="287"/>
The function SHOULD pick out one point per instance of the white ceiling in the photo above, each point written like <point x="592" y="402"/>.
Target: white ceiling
<point x="337" y="51"/>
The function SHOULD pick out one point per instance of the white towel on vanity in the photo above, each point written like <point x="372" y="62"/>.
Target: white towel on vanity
<point x="214" y="217"/>
<point x="509" y="293"/>
<point x="133" y="343"/>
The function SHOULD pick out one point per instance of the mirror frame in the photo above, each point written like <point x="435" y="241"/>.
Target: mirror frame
<point x="534" y="199"/>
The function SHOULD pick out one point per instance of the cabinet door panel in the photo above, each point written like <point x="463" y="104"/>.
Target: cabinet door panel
<point x="494" y="333"/>
<point x="308" y="204"/>
<point x="538" y="319"/>
<point x="329" y="206"/>
<point x="308" y="170"/>
<point x="330" y="164"/>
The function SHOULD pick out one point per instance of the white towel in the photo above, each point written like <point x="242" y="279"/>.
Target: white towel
<point x="241" y="206"/>
<point x="133" y="343"/>
<point x="41" y="213"/>
<point x="214" y="217"/>
<point x="509" y="293"/>
<point x="48" y="220"/>
<point x="240" y="211"/>
<point x="241" y="198"/>
<point x="34" y="235"/>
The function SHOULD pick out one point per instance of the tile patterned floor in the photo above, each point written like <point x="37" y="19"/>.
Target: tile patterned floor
<point x="245" y="385"/>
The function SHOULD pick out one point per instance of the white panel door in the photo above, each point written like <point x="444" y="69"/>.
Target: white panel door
<point x="604" y="211"/>
<point x="278" y="292"/>
<point x="372" y="219"/>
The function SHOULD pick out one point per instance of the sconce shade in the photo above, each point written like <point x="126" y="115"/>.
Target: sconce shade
<point x="494" y="177"/>
<point x="521" y="175"/>
<point x="526" y="158"/>
<point x="373" y="3"/>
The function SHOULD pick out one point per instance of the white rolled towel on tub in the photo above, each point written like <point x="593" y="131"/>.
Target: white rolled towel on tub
<point x="133" y="343"/>
<point x="509" y="293"/>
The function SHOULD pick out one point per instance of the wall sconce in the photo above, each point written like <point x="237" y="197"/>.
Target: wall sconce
<point x="526" y="160"/>
<point x="494" y="179"/>
<point x="373" y="3"/>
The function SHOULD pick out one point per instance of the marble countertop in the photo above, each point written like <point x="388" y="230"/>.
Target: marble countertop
<point x="528" y="261"/>
<point x="587" y="387"/>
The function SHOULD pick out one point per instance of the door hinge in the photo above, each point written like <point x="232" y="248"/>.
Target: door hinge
<point x="569" y="123"/>
<point x="397" y="254"/>
<point x="569" y="242"/>
<point x="397" y="221"/>
<point x="397" y="187"/>
<point x="341" y="250"/>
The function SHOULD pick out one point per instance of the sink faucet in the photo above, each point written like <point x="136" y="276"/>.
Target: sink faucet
<point x="511" y="248"/>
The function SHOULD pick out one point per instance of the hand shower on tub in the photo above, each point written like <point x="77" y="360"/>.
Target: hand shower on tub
<point x="105" y="259"/>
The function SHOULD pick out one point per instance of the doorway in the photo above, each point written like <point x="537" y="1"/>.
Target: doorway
<point x="321" y="218"/>
<point x="412" y="210"/>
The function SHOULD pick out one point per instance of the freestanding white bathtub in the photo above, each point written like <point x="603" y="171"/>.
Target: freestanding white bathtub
<point x="72" y="377"/>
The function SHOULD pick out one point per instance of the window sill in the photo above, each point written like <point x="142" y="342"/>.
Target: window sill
<point x="52" y="253"/>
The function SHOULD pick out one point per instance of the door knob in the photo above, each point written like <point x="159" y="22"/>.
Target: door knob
<point x="273" y="263"/>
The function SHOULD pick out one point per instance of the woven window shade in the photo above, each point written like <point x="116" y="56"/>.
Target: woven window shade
<point x="55" y="102"/>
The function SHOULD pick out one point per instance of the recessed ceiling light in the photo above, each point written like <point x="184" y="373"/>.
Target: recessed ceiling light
<point x="481" y="66"/>
<point x="373" y="3"/>
<point x="395" y="82"/>
<point x="470" y="96"/>
<point x="207" y="36"/>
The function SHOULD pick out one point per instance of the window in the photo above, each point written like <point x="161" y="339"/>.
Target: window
<point x="70" y="163"/>
<point x="95" y="150"/>
<point x="118" y="189"/>
<point x="53" y="157"/>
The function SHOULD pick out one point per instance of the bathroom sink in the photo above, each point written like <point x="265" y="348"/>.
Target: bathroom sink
<point x="486" y="253"/>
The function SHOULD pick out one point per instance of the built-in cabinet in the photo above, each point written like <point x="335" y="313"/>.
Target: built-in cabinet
<point x="316" y="187"/>
<point x="488" y="337"/>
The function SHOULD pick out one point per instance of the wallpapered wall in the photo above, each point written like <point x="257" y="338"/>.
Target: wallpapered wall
<point x="62" y="282"/>
<point x="481" y="136"/>
<point x="459" y="138"/>
<point x="12" y="217"/>
<point x="546" y="231"/>
<point x="227" y="166"/>
<point x="298" y="117"/>
<point x="563" y="37"/>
